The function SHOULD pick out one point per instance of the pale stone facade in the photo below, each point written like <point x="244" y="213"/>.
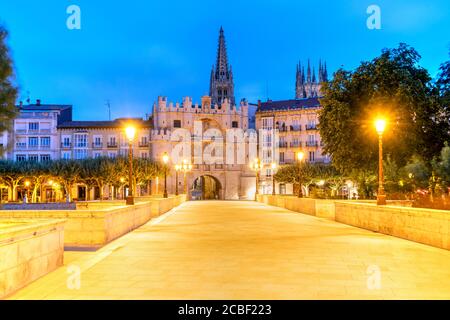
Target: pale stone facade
<point x="232" y="181"/>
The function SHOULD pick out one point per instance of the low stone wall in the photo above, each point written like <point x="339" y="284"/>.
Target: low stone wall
<point x="29" y="249"/>
<point x="397" y="219"/>
<point x="426" y="226"/>
<point x="93" y="228"/>
<point x="313" y="207"/>
<point x="39" y="206"/>
<point x="160" y="205"/>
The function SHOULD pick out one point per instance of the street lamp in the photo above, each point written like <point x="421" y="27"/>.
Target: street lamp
<point x="165" y="159"/>
<point x="177" y="169"/>
<point x="380" y="126"/>
<point x="274" y="167"/>
<point x="300" y="155"/>
<point x="130" y="133"/>
<point x="27" y="186"/>
<point x="256" y="166"/>
<point x="186" y="167"/>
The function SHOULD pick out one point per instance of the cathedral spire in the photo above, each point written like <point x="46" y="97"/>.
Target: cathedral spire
<point x="222" y="58"/>
<point x="222" y="86"/>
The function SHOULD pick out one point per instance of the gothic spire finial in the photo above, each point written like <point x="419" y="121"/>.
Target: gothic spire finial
<point x="308" y="78"/>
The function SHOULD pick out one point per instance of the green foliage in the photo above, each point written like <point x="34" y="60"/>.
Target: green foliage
<point x="8" y="91"/>
<point x="392" y="85"/>
<point x="90" y="172"/>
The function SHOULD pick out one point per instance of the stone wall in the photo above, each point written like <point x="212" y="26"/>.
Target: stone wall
<point x="426" y="226"/>
<point x="93" y="228"/>
<point x="29" y="249"/>
<point x="396" y="219"/>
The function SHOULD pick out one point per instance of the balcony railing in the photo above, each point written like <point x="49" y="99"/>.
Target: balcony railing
<point x="66" y="145"/>
<point x="21" y="146"/>
<point x="283" y="144"/>
<point x="312" y="144"/>
<point x="112" y="145"/>
<point x="143" y="144"/>
<point x="97" y="145"/>
<point x="309" y="128"/>
<point x="295" y="144"/>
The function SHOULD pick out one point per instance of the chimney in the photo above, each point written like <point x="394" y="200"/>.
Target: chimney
<point x="21" y="104"/>
<point x="38" y="102"/>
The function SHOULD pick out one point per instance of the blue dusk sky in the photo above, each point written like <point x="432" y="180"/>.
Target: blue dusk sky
<point x="129" y="52"/>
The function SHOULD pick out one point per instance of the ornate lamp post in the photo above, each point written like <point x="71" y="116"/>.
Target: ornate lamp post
<point x="177" y="168"/>
<point x="256" y="166"/>
<point x="27" y="186"/>
<point x="300" y="156"/>
<point x="274" y="167"/>
<point x="380" y="126"/>
<point x="165" y="160"/>
<point x="186" y="167"/>
<point x="130" y="133"/>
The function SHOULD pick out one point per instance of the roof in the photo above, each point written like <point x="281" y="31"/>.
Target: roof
<point x="118" y="123"/>
<point x="44" y="107"/>
<point x="305" y="103"/>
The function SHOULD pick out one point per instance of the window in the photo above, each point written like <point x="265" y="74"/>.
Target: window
<point x="33" y="126"/>
<point x="21" y="158"/>
<point x="81" y="141"/>
<point x="45" y="158"/>
<point x="66" y="155"/>
<point x="80" y="154"/>
<point x="66" y="142"/>
<point x="281" y="157"/>
<point x="144" y="155"/>
<point x="97" y="155"/>
<point x="267" y="123"/>
<point x="112" y="155"/>
<point x="45" y="142"/>
<point x="98" y="141"/>
<point x="282" y="188"/>
<point x="235" y="124"/>
<point x="33" y="158"/>
<point x="312" y="156"/>
<point x="33" y="142"/>
<point x="177" y="123"/>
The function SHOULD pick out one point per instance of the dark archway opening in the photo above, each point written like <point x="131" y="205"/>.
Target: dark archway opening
<point x="206" y="188"/>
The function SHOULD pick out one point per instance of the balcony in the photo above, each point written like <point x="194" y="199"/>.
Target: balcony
<point x="66" y="145"/>
<point x="296" y="144"/>
<point x="310" y="128"/>
<point x="97" y="145"/>
<point x="112" y="145"/>
<point x="283" y="145"/>
<point x="21" y="146"/>
<point x="312" y="144"/>
<point x="143" y="144"/>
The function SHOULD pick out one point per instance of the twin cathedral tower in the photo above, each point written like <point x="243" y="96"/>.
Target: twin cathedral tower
<point x="221" y="87"/>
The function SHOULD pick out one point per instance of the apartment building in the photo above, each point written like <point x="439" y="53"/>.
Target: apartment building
<point x="34" y="136"/>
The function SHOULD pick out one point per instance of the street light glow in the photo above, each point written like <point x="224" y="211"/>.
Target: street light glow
<point x="130" y="132"/>
<point x="300" y="155"/>
<point x="380" y="125"/>
<point x="165" y="158"/>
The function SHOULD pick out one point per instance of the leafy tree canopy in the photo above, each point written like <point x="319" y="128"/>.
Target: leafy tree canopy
<point x="394" y="86"/>
<point x="8" y="91"/>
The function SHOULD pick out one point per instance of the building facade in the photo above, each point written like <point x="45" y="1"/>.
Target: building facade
<point x="34" y="136"/>
<point x="296" y="124"/>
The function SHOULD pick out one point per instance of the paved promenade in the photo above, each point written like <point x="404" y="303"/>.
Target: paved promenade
<point x="247" y="250"/>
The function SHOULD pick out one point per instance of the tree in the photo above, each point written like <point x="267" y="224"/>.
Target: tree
<point x="443" y="86"/>
<point x="67" y="172"/>
<point x="8" y="91"/>
<point x="12" y="175"/>
<point x="393" y="85"/>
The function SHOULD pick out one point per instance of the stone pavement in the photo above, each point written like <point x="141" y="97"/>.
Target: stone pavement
<point x="248" y="250"/>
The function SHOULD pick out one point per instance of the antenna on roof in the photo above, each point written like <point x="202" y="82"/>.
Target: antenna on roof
<point x="267" y="90"/>
<point x="108" y="104"/>
<point x="28" y="97"/>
